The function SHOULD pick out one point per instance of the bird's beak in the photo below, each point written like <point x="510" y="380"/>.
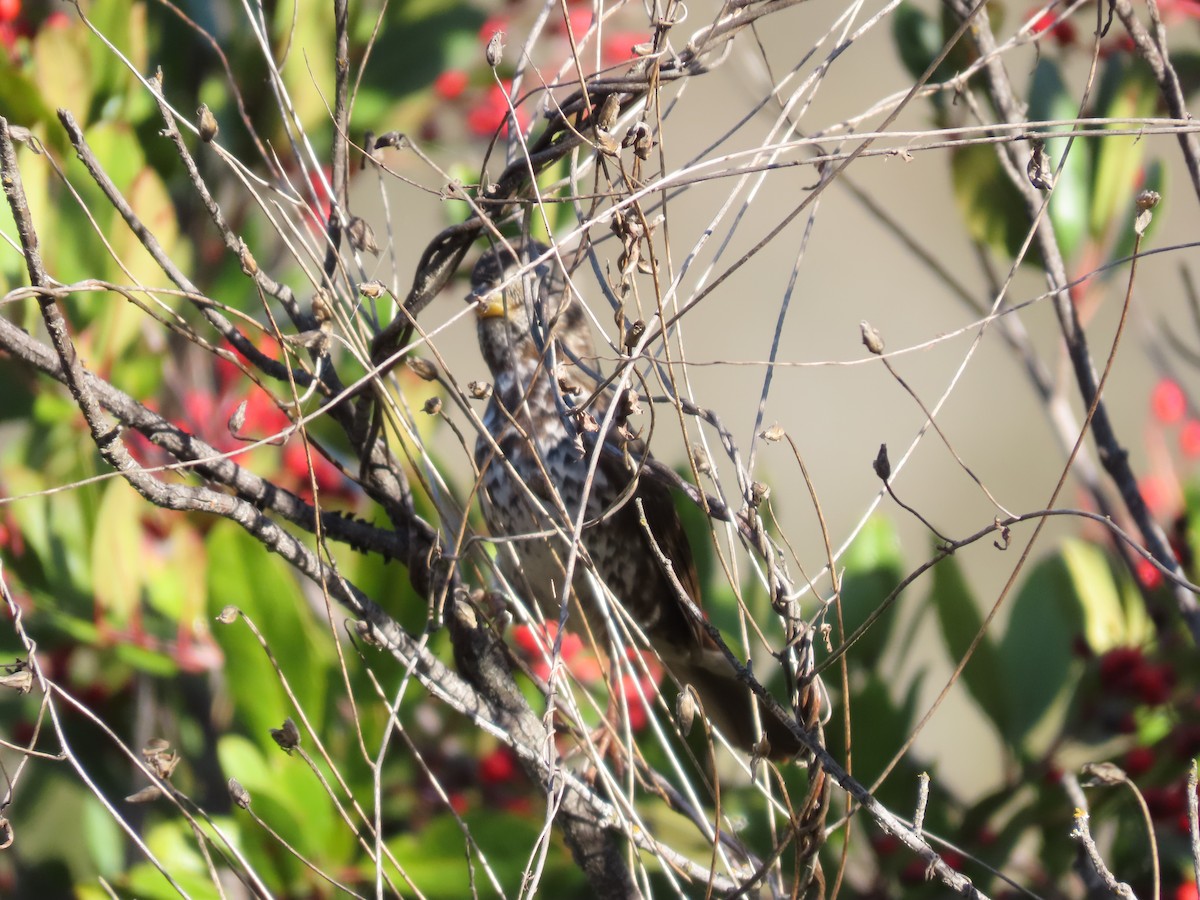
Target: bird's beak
<point x="490" y="305"/>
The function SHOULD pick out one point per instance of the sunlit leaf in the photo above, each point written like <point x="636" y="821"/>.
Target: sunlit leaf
<point x="117" y="554"/>
<point x="1050" y="100"/>
<point x="1131" y="94"/>
<point x="992" y="210"/>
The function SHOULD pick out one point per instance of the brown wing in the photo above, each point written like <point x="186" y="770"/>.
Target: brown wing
<point x="683" y="643"/>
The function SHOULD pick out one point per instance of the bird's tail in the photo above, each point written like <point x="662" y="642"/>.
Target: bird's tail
<point x="730" y="705"/>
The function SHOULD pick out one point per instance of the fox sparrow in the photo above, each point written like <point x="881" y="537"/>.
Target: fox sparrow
<point x="530" y="334"/>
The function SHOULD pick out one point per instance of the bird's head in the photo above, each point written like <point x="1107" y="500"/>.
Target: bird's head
<point x="521" y="307"/>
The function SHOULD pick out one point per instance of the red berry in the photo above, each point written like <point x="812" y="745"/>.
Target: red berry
<point x="1165" y="802"/>
<point x="1153" y="684"/>
<point x="913" y="873"/>
<point x="1168" y="402"/>
<point x="885" y="844"/>
<point x="1118" y="667"/>
<point x="9" y="10"/>
<point x="1138" y="761"/>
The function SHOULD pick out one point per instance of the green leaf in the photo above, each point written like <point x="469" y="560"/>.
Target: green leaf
<point x="880" y="726"/>
<point x="958" y="613"/>
<point x="62" y="67"/>
<point x="1155" y="180"/>
<point x="1106" y="622"/>
<point x="175" y="575"/>
<point x="117" y="554"/>
<point x="1130" y="93"/>
<point x="992" y="210"/>
<point x="243" y="573"/>
<point x="874" y="566"/>
<point x="1037" y="650"/>
<point x="105" y="839"/>
<point x="284" y="792"/>
<point x="918" y="37"/>
<point x="1070" y="200"/>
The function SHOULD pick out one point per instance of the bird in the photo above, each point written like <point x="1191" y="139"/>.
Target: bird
<point x="534" y="469"/>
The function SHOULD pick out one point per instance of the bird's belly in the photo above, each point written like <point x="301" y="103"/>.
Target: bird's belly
<point x="534" y="545"/>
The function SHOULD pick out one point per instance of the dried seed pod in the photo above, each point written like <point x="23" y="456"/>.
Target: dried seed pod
<point x="883" y="465"/>
<point x="1145" y="202"/>
<point x="871" y="338"/>
<point x="372" y="290"/>
<point x="480" y="390"/>
<point x="758" y="493"/>
<point x="148" y="794"/>
<point x="422" y="368"/>
<point x="1040" y="168"/>
<point x="772" y="434"/>
<point x="206" y="124"/>
<point x="1103" y="773"/>
<point x="633" y="334"/>
<point x="249" y="263"/>
<point x="609" y="111"/>
<point x="228" y="615"/>
<point x="238" y="794"/>
<point x="494" y="54"/>
<point x="322" y="308"/>
<point x="362" y="237"/>
<point x="607" y="144"/>
<point x="20" y="681"/>
<point x="238" y="420"/>
<point x="686" y="705"/>
<point x="433" y="406"/>
<point x="287" y="737"/>
<point x="643" y="144"/>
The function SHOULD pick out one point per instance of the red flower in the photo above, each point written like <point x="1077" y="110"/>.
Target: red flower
<point x="1189" y="439"/>
<point x="9" y="10"/>
<point x="618" y="47"/>
<point x="1173" y="11"/>
<point x="1062" y="31"/>
<point x="491" y="26"/>
<point x="1157" y="494"/>
<point x="1148" y="574"/>
<point x="450" y="84"/>
<point x="579" y="20"/>
<point x="498" y="767"/>
<point x="295" y="461"/>
<point x="1168" y="402"/>
<point x="492" y="112"/>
